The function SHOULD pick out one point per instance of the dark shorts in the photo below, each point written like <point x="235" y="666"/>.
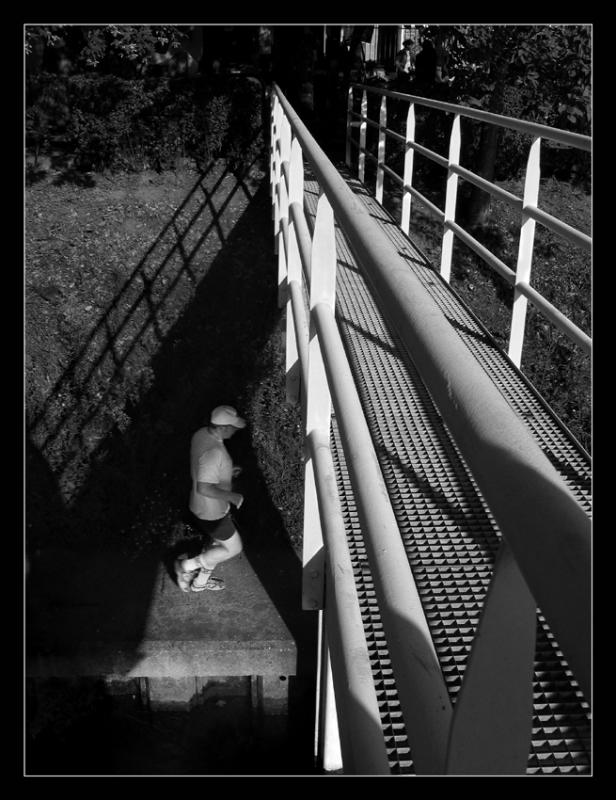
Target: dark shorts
<point x="221" y="529"/>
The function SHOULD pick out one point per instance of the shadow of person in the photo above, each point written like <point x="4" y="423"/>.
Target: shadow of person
<point x="183" y="548"/>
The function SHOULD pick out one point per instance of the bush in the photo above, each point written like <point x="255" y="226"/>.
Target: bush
<point x="244" y="141"/>
<point x="107" y="122"/>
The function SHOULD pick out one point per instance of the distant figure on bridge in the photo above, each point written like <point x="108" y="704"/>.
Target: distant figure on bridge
<point x="405" y="62"/>
<point x="425" y="64"/>
<point x="211" y="498"/>
<point x="431" y="67"/>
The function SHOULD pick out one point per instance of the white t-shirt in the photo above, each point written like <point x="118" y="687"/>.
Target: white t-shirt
<point x="209" y="463"/>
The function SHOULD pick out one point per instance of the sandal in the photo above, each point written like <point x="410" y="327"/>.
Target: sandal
<point x="205" y="580"/>
<point x="184" y="578"/>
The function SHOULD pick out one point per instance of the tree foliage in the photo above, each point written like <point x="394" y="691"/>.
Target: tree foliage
<point x="105" y="48"/>
<point x="547" y="70"/>
<point x="539" y="73"/>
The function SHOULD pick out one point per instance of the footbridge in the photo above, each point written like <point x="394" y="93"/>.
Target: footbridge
<point x="447" y="534"/>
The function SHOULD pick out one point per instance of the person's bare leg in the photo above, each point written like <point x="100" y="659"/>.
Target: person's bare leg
<point x="215" y="553"/>
<point x="218" y="552"/>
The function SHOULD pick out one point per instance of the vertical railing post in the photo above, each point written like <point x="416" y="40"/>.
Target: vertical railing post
<point x="318" y="417"/>
<point x="525" y="252"/>
<point x="278" y="113"/>
<point x="328" y="751"/>
<point x="283" y="210"/>
<point x="409" y="154"/>
<point x="356" y="732"/>
<point x="492" y="720"/>
<point x="349" y="126"/>
<point x="450" y="198"/>
<point x="363" y="126"/>
<point x="331" y="751"/>
<point x="274" y="104"/>
<point x="294" y="274"/>
<point x="318" y="402"/>
<point x="380" y="172"/>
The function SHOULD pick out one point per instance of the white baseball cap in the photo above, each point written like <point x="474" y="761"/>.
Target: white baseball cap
<point x="227" y="415"/>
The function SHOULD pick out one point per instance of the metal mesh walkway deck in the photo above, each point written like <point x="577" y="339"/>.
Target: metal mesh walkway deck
<point x="449" y="534"/>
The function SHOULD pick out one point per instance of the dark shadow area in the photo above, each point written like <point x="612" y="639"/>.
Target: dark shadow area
<point x="35" y="174"/>
<point x="385" y="220"/>
<point x="59" y="168"/>
<point x="347" y="266"/>
<point x="74" y="177"/>
<point x="112" y="727"/>
<point x="418" y="262"/>
<point x="356" y="187"/>
<point x="367" y="335"/>
<point x="483" y="337"/>
<point x="468" y="524"/>
<point x="85" y="588"/>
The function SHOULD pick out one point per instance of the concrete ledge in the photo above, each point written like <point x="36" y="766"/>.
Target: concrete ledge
<point x="182" y="659"/>
<point x="102" y="615"/>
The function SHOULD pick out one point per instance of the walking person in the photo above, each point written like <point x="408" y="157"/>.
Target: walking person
<point x="425" y="65"/>
<point x="405" y="61"/>
<point x="211" y="499"/>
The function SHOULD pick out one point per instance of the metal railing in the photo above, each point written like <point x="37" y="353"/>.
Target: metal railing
<point x="545" y="556"/>
<point x="527" y="205"/>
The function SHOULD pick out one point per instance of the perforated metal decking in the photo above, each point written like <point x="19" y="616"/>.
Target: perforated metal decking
<point x="448" y="532"/>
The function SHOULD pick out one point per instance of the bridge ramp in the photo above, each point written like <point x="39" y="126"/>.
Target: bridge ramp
<point x="449" y="534"/>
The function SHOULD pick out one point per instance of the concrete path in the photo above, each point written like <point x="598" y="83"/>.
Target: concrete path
<point x="102" y="614"/>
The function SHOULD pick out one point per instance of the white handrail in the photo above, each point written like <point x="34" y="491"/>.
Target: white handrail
<point x="556" y="225"/>
<point x="419" y="680"/>
<point x="530" y="212"/>
<point x="533" y="128"/>
<point x="422" y="689"/>
<point x="548" y="531"/>
<point x="362" y="740"/>
<point x="455" y="143"/>
<point x="491" y="188"/>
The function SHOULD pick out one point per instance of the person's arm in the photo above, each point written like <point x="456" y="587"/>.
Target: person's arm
<point x="215" y="492"/>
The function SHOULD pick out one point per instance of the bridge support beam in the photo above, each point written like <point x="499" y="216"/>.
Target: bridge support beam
<point x="492" y="721"/>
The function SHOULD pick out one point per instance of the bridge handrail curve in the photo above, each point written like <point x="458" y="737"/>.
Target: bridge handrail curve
<point x="528" y="205"/>
<point x="533" y="128"/>
<point x="547" y="530"/>
<point x="548" y="220"/>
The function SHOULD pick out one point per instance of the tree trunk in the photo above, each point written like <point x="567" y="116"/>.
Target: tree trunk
<point x="478" y="204"/>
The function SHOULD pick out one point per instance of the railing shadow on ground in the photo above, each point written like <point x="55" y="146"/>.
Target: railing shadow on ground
<point x="191" y="377"/>
<point x="370" y="337"/>
<point x="115" y="319"/>
<point x="482" y="336"/>
<point x="452" y="511"/>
